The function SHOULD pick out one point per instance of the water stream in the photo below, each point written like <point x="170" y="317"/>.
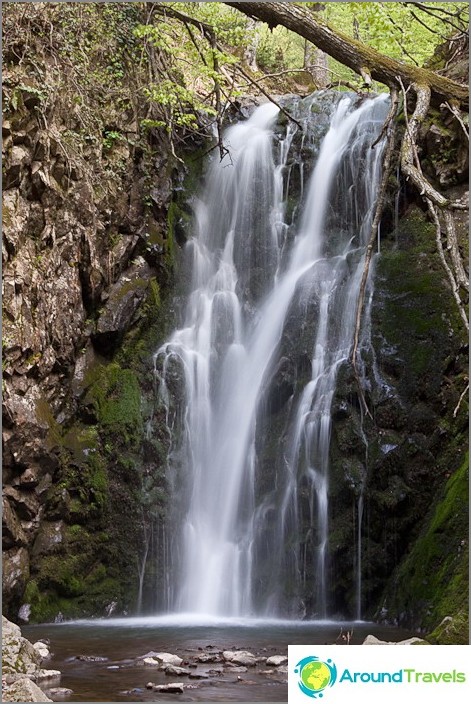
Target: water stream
<point x="260" y="277"/>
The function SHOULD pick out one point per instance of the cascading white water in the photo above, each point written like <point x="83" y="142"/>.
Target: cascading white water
<point x="249" y="279"/>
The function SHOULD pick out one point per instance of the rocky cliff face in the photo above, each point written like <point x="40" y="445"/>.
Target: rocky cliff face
<point x="87" y="244"/>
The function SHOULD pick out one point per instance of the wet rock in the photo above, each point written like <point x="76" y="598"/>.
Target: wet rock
<point x="276" y="660"/>
<point x="237" y="668"/>
<point x="172" y="688"/>
<point x="174" y="670"/>
<point x="240" y="657"/>
<point x="91" y="658"/>
<point x="372" y="640"/>
<point x="59" y="692"/>
<point x="42" y="649"/>
<point x="198" y="676"/>
<point x="24" y="690"/>
<point x="213" y="657"/>
<point x="47" y="675"/>
<point x="164" y="658"/>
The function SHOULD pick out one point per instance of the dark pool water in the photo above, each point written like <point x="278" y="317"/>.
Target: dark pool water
<point x="121" y="641"/>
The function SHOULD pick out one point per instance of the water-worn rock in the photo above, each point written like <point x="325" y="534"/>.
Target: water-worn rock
<point x="240" y="657"/>
<point x="59" y="692"/>
<point x="174" y="670"/>
<point x="372" y="640"/>
<point x="24" y="690"/>
<point x="276" y="660"/>
<point x="47" y="675"/>
<point x="198" y="676"/>
<point x="172" y="688"/>
<point x="42" y="649"/>
<point x="18" y="654"/>
<point x="153" y="658"/>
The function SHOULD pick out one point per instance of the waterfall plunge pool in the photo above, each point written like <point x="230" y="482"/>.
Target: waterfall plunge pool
<point x="124" y="640"/>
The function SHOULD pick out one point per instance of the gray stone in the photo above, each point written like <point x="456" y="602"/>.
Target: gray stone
<point x="372" y="640"/>
<point x="240" y="657"/>
<point x="47" y="675"/>
<point x="124" y="300"/>
<point x="51" y="535"/>
<point x="59" y="692"/>
<point x="24" y="690"/>
<point x="172" y="687"/>
<point x="174" y="670"/>
<point x="276" y="660"/>
<point x="162" y="659"/>
<point x="18" y="655"/>
<point x="42" y="649"/>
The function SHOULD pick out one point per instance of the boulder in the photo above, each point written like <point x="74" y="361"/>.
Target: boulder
<point x="372" y="640"/>
<point x="18" y="655"/>
<point x="24" y="690"/>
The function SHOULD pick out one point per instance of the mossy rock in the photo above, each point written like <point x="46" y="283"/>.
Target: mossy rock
<point x="432" y="583"/>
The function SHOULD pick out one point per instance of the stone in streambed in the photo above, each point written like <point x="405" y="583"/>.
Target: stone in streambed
<point x="24" y="690"/>
<point x="240" y="657"/>
<point x="153" y="658"/>
<point x="277" y="660"/>
<point x="174" y="670"/>
<point x="59" y="692"/>
<point x="209" y="657"/>
<point x="47" y="675"/>
<point x="172" y="687"/>
<point x="372" y="640"/>
<point x="237" y="668"/>
<point x="42" y="649"/>
<point x="198" y="676"/>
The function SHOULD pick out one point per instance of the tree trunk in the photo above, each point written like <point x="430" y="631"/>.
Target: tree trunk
<point x="360" y="58"/>
<point x="250" y="53"/>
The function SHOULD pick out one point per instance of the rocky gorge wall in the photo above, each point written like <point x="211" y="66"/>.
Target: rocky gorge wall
<point x="88" y="247"/>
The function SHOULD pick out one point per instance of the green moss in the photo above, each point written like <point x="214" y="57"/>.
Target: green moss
<point x="433" y="581"/>
<point x="116" y="396"/>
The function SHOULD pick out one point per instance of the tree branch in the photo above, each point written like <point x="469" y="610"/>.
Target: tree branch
<point x="270" y="98"/>
<point x="352" y="53"/>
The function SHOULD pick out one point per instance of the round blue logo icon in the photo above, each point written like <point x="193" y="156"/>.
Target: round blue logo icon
<point x="315" y="675"/>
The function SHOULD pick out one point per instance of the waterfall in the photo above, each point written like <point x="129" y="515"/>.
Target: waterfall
<point x="256" y="280"/>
